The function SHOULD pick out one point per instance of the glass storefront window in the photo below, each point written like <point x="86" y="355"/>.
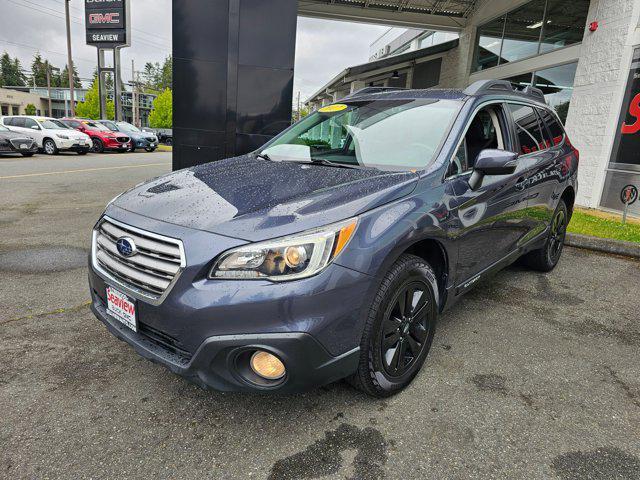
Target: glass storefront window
<point x="565" y="24"/>
<point x="557" y="85"/>
<point x="522" y="32"/>
<point x="537" y="27"/>
<point x="489" y="44"/>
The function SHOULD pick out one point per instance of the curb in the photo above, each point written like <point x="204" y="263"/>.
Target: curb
<point x="606" y="245"/>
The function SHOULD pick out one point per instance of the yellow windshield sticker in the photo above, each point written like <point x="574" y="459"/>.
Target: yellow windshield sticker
<point x="338" y="107"/>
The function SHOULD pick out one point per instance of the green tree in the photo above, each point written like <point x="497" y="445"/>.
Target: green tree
<point x="64" y="78"/>
<point x="90" y="108"/>
<point x="162" y="114"/>
<point x="11" y="72"/>
<point x="166" y="74"/>
<point x="39" y="71"/>
<point x="30" y="109"/>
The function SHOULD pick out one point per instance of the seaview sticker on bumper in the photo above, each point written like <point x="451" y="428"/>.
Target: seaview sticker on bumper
<point x="122" y="308"/>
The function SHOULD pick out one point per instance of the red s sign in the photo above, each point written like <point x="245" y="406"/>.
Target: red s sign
<point x="634" y="110"/>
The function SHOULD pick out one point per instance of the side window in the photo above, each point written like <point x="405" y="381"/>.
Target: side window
<point x="18" y="122"/>
<point x="484" y="132"/>
<point x="30" y="122"/>
<point x="528" y="128"/>
<point x="8" y="121"/>
<point x="555" y="129"/>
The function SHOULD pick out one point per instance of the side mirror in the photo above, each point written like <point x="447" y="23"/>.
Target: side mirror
<point x="35" y="127"/>
<point x="492" y="162"/>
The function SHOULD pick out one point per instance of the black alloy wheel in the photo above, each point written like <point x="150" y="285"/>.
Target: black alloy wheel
<point x="405" y="327"/>
<point x="557" y="235"/>
<point x="399" y="328"/>
<point x="547" y="257"/>
<point x="98" y="146"/>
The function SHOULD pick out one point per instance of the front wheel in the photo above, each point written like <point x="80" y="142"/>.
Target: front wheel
<point x="50" y="147"/>
<point x="546" y="258"/>
<point x="399" y="329"/>
<point x="98" y="146"/>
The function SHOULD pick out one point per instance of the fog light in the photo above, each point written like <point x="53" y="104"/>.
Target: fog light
<point x="267" y="365"/>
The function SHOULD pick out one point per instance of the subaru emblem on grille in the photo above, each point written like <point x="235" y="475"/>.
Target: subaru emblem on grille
<point x="126" y="247"/>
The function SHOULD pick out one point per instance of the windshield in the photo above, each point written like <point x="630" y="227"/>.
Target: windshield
<point x="54" y="124"/>
<point x="385" y="134"/>
<point x="96" y="126"/>
<point x="127" y="127"/>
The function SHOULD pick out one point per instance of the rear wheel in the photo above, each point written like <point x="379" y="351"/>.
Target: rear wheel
<point x="546" y="258"/>
<point x="399" y="329"/>
<point x="50" y="147"/>
<point x="98" y="146"/>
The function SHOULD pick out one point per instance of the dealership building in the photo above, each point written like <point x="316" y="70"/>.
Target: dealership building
<point x="583" y="54"/>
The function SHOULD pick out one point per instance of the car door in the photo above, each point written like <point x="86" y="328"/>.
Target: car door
<point x="34" y="130"/>
<point x="539" y="160"/>
<point x="486" y="223"/>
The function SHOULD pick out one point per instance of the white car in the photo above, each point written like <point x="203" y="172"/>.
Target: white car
<point x="50" y="134"/>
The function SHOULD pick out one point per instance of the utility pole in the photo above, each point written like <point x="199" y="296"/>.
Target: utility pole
<point x="70" y="58"/>
<point x="134" y="90"/>
<point x="46" y="64"/>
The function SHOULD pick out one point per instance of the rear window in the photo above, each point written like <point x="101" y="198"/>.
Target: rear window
<point x="17" y="122"/>
<point x="555" y="129"/>
<point x="528" y="128"/>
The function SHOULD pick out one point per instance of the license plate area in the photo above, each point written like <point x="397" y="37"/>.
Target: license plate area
<point x="122" y="307"/>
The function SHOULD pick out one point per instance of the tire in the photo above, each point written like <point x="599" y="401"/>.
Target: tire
<point x="149" y="149"/>
<point x="50" y="147"/>
<point x="546" y="258"/>
<point x="390" y="358"/>
<point x="132" y="149"/>
<point x="98" y="145"/>
<point x="168" y="141"/>
<point x="27" y="154"/>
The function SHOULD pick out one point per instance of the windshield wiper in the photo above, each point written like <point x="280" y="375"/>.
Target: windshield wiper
<point x="329" y="163"/>
<point x="265" y="156"/>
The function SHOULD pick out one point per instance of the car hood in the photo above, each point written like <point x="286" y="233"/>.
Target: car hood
<point x="9" y="135"/>
<point x="253" y="199"/>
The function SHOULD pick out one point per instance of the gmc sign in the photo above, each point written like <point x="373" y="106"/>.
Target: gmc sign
<point x="111" y="18"/>
<point x="107" y="23"/>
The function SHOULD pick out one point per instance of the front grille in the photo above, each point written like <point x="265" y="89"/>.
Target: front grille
<point x="16" y="142"/>
<point x="163" y="339"/>
<point x="123" y="139"/>
<point x="151" y="270"/>
<point x="151" y="139"/>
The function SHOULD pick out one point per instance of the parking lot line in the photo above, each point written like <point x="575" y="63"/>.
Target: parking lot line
<point x="63" y="172"/>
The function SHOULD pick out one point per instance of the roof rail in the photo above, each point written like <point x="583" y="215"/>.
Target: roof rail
<point x="493" y="86"/>
<point x="368" y="90"/>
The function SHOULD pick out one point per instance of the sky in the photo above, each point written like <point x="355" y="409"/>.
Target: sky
<point x="323" y="47"/>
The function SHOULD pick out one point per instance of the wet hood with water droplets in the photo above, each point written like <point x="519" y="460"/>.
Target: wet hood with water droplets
<point x="254" y="199"/>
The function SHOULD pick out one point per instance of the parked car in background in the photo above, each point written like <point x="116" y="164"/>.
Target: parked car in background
<point x="139" y="139"/>
<point x="165" y="135"/>
<point x="331" y="251"/>
<point x="51" y="135"/>
<point x="102" y="138"/>
<point x="13" y="142"/>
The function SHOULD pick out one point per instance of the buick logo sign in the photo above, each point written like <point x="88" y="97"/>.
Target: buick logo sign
<point x="126" y="247"/>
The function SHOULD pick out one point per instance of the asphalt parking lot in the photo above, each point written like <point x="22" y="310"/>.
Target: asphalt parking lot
<point x="531" y="376"/>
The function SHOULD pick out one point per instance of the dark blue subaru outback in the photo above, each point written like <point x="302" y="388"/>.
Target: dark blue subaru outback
<point x="331" y="251"/>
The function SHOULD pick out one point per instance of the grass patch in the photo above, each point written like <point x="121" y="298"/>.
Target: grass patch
<point x="604" y="225"/>
<point x="165" y="148"/>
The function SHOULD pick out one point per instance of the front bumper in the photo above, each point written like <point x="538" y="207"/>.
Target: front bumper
<point x="15" y="146"/>
<point x="73" y="144"/>
<point x="199" y="328"/>
<point x="214" y="364"/>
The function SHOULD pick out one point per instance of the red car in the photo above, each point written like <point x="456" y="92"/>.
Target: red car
<point x="103" y="138"/>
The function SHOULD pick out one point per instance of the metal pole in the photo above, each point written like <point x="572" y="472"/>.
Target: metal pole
<point x="117" y="84"/>
<point x="134" y="105"/>
<point x="624" y="213"/>
<point x="70" y="59"/>
<point x="49" y="86"/>
<point x="101" y="86"/>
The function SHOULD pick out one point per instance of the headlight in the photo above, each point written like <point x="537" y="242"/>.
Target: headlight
<point x="64" y="137"/>
<point x="288" y="258"/>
